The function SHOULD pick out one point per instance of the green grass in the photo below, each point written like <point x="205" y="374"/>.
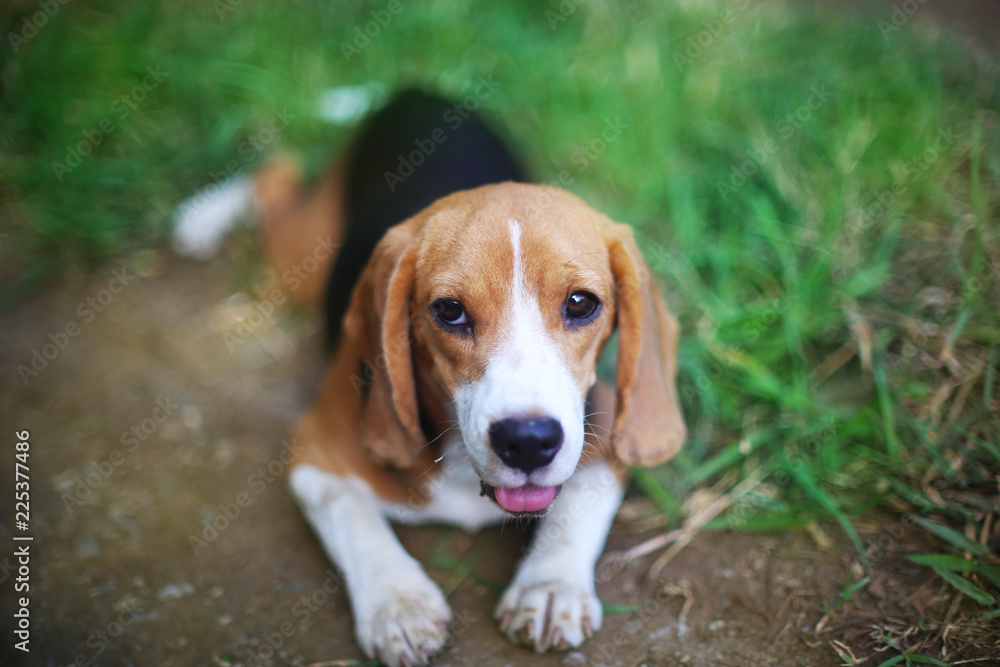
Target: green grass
<point x="829" y="297"/>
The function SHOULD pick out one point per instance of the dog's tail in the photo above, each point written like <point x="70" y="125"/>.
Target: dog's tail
<point x="203" y="220"/>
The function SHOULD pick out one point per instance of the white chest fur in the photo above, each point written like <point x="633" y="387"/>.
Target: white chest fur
<point x="449" y="495"/>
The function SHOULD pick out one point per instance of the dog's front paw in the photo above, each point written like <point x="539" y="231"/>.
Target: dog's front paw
<point x="549" y="614"/>
<point x="405" y="624"/>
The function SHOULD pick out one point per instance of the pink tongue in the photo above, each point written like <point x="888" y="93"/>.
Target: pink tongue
<point x="527" y="498"/>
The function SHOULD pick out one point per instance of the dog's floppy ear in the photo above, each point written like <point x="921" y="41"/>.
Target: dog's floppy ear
<point x="378" y="319"/>
<point x="649" y="426"/>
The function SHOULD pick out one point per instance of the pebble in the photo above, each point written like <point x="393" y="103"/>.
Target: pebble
<point x="225" y="453"/>
<point x="101" y="590"/>
<point x="173" y="591"/>
<point x="191" y="416"/>
<point x="86" y="547"/>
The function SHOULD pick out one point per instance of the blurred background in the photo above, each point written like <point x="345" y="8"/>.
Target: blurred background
<point x="815" y="185"/>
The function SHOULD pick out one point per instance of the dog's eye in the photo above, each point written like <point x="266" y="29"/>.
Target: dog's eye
<point x="450" y="312"/>
<point x="581" y="307"/>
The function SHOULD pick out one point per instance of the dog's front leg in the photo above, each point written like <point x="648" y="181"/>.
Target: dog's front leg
<point x="552" y="602"/>
<point x="400" y="615"/>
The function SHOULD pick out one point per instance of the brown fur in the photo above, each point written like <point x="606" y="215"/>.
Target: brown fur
<point x="395" y="362"/>
<point x="291" y="221"/>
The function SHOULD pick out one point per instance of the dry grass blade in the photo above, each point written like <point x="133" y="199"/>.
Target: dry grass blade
<point x="831" y="365"/>
<point x="968" y="382"/>
<point x="702" y="507"/>
<point x="709" y="508"/>
<point x="846" y="654"/>
<point x="863" y="333"/>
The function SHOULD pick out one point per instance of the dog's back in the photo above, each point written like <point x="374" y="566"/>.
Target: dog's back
<point x="412" y="152"/>
<point x="415" y="150"/>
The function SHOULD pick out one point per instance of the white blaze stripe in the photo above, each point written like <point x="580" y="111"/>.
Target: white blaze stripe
<point x="526" y="377"/>
<point x="519" y="294"/>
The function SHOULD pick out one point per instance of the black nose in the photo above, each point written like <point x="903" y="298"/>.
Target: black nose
<point x="526" y="444"/>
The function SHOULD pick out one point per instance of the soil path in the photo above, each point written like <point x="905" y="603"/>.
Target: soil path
<point x="163" y="534"/>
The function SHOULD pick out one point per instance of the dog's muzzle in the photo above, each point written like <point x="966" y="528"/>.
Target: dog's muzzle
<point x="526" y="445"/>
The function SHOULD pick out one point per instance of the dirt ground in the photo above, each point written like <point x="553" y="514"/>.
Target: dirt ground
<point x="158" y="406"/>
<point x="117" y="572"/>
<point x="163" y="534"/>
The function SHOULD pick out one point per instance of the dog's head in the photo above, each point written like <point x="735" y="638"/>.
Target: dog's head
<point x="492" y="306"/>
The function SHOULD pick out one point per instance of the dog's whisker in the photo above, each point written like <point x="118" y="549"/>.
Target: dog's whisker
<point x="441" y="435"/>
<point x="600" y="439"/>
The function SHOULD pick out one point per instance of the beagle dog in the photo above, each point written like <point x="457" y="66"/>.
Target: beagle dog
<point x="466" y="314"/>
